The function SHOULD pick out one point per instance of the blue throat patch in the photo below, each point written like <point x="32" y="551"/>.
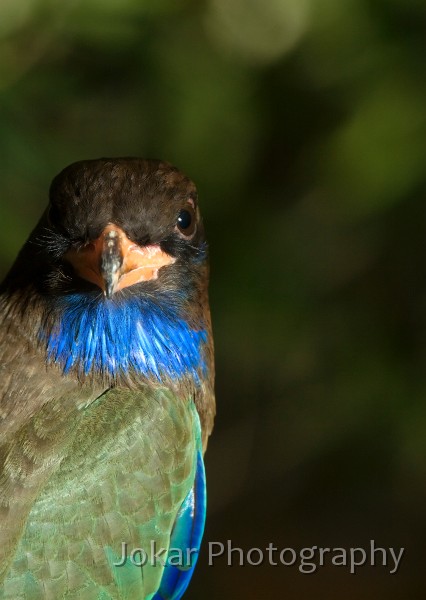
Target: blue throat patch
<point x="128" y="333"/>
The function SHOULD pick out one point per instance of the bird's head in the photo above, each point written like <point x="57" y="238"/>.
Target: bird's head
<point x="116" y="271"/>
<point x="113" y="224"/>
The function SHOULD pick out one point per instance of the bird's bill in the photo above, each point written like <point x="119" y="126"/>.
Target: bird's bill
<point x="113" y="262"/>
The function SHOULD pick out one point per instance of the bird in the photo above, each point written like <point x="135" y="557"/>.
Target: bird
<point x="106" y="389"/>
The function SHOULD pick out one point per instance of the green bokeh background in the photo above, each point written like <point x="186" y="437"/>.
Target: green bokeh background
<point x="303" y="124"/>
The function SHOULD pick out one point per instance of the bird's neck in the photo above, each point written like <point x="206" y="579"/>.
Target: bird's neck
<point x="148" y="337"/>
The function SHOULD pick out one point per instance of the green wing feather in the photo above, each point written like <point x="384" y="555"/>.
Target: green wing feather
<point x="126" y="466"/>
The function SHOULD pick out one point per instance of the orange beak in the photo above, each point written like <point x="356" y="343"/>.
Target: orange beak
<point x="113" y="262"/>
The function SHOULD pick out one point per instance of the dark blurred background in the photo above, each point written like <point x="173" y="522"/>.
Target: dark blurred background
<point x="304" y="126"/>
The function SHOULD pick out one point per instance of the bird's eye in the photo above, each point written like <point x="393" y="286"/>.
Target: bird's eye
<point x="186" y="220"/>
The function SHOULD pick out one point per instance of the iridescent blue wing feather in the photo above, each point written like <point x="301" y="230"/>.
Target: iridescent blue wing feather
<point x="185" y="540"/>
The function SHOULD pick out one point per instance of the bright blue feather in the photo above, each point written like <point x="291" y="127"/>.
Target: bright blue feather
<point x="187" y="533"/>
<point x="112" y="337"/>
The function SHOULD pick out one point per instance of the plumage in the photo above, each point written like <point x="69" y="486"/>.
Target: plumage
<point x="106" y="388"/>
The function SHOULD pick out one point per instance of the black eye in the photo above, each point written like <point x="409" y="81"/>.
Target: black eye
<point x="186" y="220"/>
